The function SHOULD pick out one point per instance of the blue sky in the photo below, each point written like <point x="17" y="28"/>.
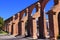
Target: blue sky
<point x="11" y="7"/>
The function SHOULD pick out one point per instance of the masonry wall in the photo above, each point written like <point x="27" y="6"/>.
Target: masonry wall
<point x="25" y="24"/>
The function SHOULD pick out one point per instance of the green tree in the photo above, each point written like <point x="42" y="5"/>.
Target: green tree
<point x="1" y="23"/>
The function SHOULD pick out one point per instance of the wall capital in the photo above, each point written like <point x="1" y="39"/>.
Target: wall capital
<point x="51" y="12"/>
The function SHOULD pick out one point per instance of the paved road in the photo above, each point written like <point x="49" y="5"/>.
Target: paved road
<point x="9" y="37"/>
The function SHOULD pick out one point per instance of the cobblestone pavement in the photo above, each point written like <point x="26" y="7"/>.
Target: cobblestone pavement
<point x="9" y="37"/>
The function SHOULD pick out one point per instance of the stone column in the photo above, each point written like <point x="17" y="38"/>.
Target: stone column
<point x="41" y="22"/>
<point x="28" y="26"/>
<point x="7" y="27"/>
<point x="53" y="26"/>
<point x="45" y="27"/>
<point x="18" y="24"/>
<point x="34" y="29"/>
<point x="14" y="27"/>
<point x="22" y="28"/>
<point x="10" y="25"/>
<point x="42" y="27"/>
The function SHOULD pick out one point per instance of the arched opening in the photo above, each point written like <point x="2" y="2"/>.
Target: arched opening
<point x="47" y="25"/>
<point x="59" y="22"/>
<point x="34" y="11"/>
<point x="24" y="14"/>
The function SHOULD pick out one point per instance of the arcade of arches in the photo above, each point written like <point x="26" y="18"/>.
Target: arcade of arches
<point x="31" y="21"/>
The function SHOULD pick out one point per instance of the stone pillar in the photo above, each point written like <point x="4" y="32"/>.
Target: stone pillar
<point x="18" y="24"/>
<point x="34" y="29"/>
<point x="53" y="26"/>
<point x="41" y="22"/>
<point x="14" y="27"/>
<point x="45" y="28"/>
<point x="10" y="25"/>
<point x="19" y="28"/>
<point x="22" y="28"/>
<point x="42" y="27"/>
<point x="7" y="26"/>
<point x="28" y="26"/>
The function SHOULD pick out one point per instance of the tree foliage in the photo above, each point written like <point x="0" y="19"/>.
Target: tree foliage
<point x="1" y="23"/>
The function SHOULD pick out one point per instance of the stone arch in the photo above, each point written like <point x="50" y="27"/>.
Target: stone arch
<point x="33" y="11"/>
<point x="21" y="14"/>
<point x="34" y="19"/>
<point x="59" y="22"/>
<point x="32" y="7"/>
<point x="24" y="15"/>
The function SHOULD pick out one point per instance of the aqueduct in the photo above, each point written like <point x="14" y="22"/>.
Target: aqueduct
<point x="34" y="25"/>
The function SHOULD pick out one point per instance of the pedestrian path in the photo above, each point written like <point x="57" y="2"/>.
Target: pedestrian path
<point x="10" y="37"/>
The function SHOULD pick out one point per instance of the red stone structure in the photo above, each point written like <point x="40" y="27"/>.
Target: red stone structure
<point x="54" y="20"/>
<point x="26" y="23"/>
